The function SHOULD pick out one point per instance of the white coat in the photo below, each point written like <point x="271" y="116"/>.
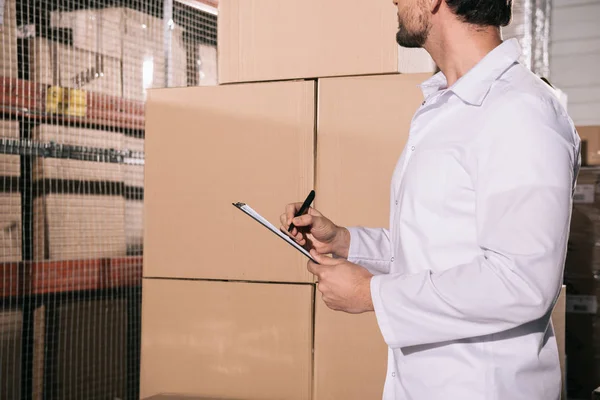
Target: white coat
<point x="469" y="270"/>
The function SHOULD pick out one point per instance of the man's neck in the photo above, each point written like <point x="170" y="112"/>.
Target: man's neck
<point x="457" y="48"/>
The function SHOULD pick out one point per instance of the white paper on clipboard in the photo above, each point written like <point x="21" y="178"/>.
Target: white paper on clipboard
<point x="264" y="222"/>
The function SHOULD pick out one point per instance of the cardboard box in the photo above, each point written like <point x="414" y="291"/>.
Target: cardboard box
<point x="9" y="129"/>
<point x="90" y="351"/>
<point x="132" y="143"/>
<point x="226" y="339"/>
<point x="144" y="57"/>
<point x="590" y="149"/>
<point x="203" y="153"/>
<point x="11" y="336"/>
<point x="10" y="209"/>
<point x="79" y="210"/>
<point x="74" y="136"/>
<point x="263" y="40"/>
<point x="558" y="323"/>
<point x="54" y="63"/>
<point x="363" y="125"/>
<point x="179" y="397"/>
<point x="133" y="37"/>
<point x="8" y="40"/>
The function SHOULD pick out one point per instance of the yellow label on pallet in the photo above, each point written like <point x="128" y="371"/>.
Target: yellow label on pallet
<point x="76" y="100"/>
<point x="54" y="96"/>
<point x="66" y="101"/>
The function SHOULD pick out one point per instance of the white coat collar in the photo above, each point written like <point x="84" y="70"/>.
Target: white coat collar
<point x="474" y="86"/>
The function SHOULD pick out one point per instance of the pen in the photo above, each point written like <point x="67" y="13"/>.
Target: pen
<point x="304" y="207"/>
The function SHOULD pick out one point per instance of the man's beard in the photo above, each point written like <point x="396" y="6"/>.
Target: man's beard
<point x="412" y="39"/>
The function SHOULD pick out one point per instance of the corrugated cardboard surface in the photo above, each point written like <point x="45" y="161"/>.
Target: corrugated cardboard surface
<point x="210" y="146"/>
<point x="144" y="62"/>
<point x="10" y="227"/>
<point x="285" y="39"/>
<point x="95" y="30"/>
<point x="9" y="129"/>
<point x="69" y="226"/>
<point x="134" y="225"/>
<point x="171" y="396"/>
<point x="91" y="351"/>
<point x="226" y="339"/>
<point x="133" y="37"/>
<point x="10" y="165"/>
<point x="558" y="322"/>
<point x="11" y="336"/>
<point x="591" y="136"/>
<point x="133" y="143"/>
<point x="73" y="136"/>
<point x="57" y="168"/>
<point x="72" y="227"/>
<point x="133" y="175"/>
<point x="10" y="210"/>
<point x="53" y="63"/>
<point x="363" y="126"/>
<point x="8" y="41"/>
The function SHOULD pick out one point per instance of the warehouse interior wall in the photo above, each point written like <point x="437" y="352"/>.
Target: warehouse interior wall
<point x="575" y="56"/>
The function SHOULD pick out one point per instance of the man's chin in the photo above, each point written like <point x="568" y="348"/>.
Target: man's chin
<point x="410" y="42"/>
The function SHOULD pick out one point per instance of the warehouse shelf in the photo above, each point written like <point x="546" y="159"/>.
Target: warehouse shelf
<point x="27" y="99"/>
<point x="28" y="147"/>
<point x="49" y="277"/>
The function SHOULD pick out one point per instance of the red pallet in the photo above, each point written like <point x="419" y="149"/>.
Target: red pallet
<point x="124" y="272"/>
<point x="63" y="276"/>
<point x="28" y="99"/>
<point x="11" y="282"/>
<point x="22" y="97"/>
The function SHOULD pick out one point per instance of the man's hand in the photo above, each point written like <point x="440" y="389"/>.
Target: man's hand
<point x="313" y="231"/>
<point x="345" y="286"/>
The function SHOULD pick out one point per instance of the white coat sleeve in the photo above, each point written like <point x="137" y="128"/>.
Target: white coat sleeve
<point x="523" y="171"/>
<point x="370" y="248"/>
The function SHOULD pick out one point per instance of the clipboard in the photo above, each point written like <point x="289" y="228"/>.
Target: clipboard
<point x="246" y="209"/>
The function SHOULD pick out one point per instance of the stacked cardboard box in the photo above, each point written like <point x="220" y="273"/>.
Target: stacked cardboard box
<point x="8" y="40"/>
<point x="11" y="336"/>
<point x="79" y="206"/>
<point x="590" y="151"/>
<point x="10" y="198"/>
<point x="256" y="315"/>
<point x="90" y="351"/>
<point x="58" y="64"/>
<point x="582" y="277"/>
<point x="133" y="38"/>
<point x="144" y="58"/>
<point x="273" y="40"/>
<point x="133" y="175"/>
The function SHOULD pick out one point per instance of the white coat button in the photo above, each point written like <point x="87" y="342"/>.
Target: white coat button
<point x="412" y="148"/>
<point x="392" y="260"/>
<point x="396" y="202"/>
<point x="393" y="374"/>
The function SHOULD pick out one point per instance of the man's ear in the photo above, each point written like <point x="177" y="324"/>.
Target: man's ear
<point x="434" y="5"/>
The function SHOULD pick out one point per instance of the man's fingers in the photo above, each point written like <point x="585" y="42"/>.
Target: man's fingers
<point x="314" y="212"/>
<point x="303" y="220"/>
<point x="290" y="211"/>
<point x="323" y="259"/>
<point x="314" y="269"/>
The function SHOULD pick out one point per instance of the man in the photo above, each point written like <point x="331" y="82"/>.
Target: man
<point x="464" y="280"/>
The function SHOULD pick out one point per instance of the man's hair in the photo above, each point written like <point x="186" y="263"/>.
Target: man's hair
<point x="483" y="12"/>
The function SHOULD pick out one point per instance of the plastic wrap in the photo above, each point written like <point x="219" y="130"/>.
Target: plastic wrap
<point x="530" y="25"/>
